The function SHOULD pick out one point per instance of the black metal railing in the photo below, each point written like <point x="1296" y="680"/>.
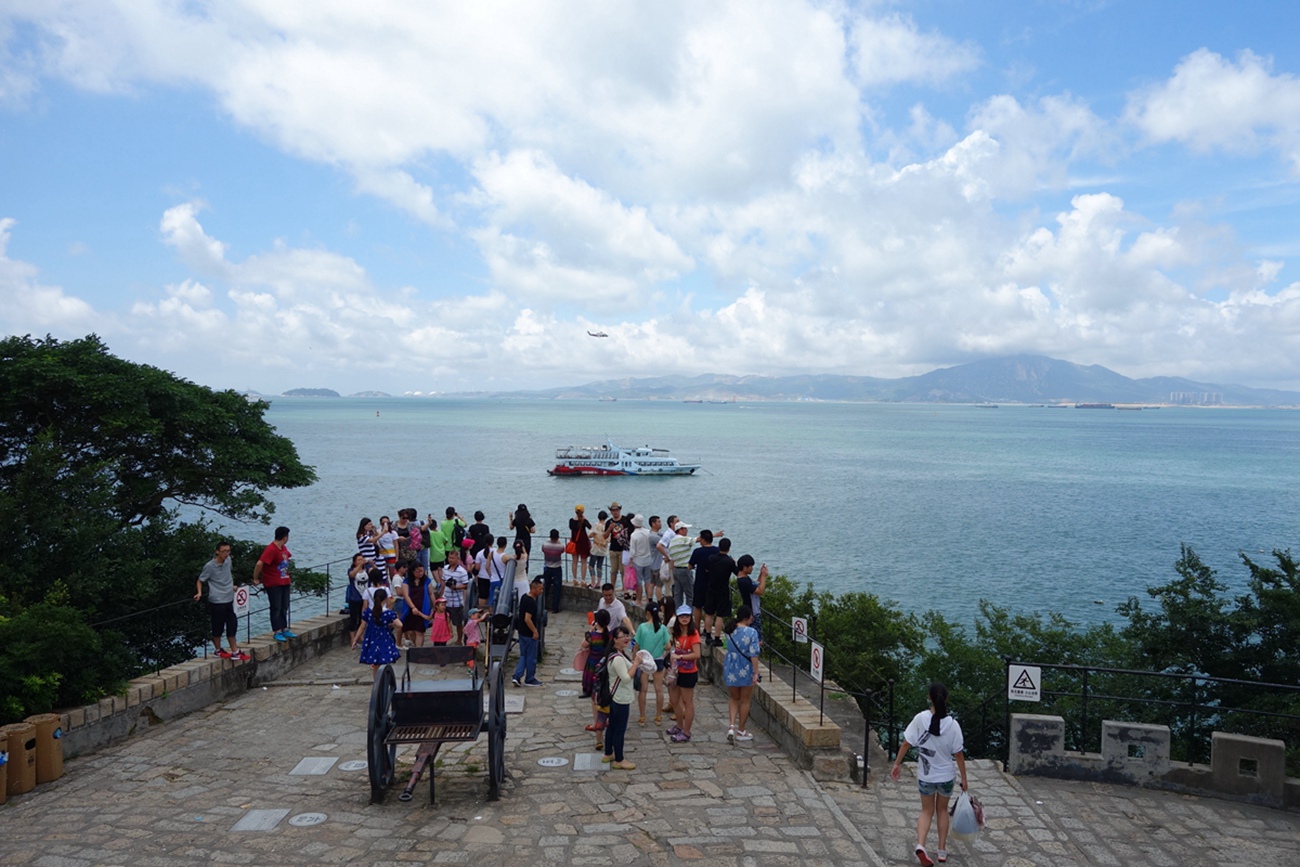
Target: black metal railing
<point x="156" y="640"/>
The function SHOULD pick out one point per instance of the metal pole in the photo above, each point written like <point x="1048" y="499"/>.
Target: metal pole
<point x="1083" y="729"/>
<point x="866" y="741"/>
<point x="821" y="708"/>
<point x="893" y="723"/>
<point x="1006" y="705"/>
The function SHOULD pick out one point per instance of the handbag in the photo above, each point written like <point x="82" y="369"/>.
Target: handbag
<point x="571" y="547"/>
<point x="670" y="674"/>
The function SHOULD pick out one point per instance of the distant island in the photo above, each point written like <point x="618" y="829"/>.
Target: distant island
<point x="1017" y="379"/>
<point x="311" y="392"/>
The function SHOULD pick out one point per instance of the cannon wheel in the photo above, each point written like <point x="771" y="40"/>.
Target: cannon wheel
<point x="381" y="758"/>
<point x="496" y="726"/>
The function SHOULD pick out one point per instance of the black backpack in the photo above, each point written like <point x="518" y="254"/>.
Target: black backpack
<point x="604" y="692"/>
<point x="458" y="535"/>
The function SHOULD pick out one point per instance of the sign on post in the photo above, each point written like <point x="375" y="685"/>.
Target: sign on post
<point x="1024" y="683"/>
<point x="817" y="662"/>
<point x="241" y="601"/>
<point x="799" y="625"/>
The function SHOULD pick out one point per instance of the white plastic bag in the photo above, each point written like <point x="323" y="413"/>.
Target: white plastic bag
<point x="966" y="823"/>
<point x="645" y="661"/>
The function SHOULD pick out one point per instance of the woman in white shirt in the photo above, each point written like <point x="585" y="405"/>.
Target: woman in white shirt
<point x="939" y="753"/>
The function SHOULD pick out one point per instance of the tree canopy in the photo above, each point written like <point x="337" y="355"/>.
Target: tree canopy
<point x="74" y="412"/>
<point x="96" y="454"/>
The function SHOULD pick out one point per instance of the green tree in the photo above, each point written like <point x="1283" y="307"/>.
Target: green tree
<point x="96" y="454"/>
<point x="1191" y="628"/>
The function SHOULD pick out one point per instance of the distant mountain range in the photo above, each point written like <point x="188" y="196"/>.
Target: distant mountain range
<point x="1031" y="379"/>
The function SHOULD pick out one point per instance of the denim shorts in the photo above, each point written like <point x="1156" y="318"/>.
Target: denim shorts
<point x="928" y="789"/>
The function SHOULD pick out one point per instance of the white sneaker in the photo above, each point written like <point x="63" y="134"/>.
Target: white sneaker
<point x="731" y="734"/>
<point x="744" y="736"/>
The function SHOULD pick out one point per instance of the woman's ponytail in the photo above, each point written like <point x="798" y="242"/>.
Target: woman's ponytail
<point x="938" y="698"/>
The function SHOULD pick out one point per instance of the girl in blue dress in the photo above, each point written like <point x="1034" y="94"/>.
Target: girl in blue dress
<point x="740" y="672"/>
<point x="378" y="647"/>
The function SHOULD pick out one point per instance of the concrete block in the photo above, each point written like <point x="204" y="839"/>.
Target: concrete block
<point x="1037" y="742"/>
<point x="133" y="696"/>
<point x="1248" y="767"/>
<point x="828" y="765"/>
<point x="1291" y="793"/>
<point x="75" y="718"/>
<point x="1134" y="753"/>
<point x="144" y="686"/>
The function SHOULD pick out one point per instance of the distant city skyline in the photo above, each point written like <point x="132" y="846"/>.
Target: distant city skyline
<point x="268" y="195"/>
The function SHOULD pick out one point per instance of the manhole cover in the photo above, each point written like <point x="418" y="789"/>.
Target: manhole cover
<point x="303" y="820"/>
<point x="553" y="762"/>
<point x="566" y="693"/>
<point x="354" y="765"/>
<point x="569" y="671"/>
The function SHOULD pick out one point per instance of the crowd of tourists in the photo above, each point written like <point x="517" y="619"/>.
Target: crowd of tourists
<point x="416" y="581"/>
<point x="437" y="581"/>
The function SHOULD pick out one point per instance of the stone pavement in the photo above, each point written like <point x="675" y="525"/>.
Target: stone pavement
<point x="175" y="794"/>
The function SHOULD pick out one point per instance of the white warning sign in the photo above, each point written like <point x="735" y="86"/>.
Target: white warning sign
<point x="1024" y="683"/>
<point x="817" y="662"/>
<point x="241" y="601"/>
<point x="799" y="627"/>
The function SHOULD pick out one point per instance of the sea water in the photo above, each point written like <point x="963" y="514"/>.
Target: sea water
<point x="932" y="506"/>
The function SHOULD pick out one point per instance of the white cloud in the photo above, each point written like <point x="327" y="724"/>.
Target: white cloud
<point x="890" y="50"/>
<point x="580" y="238"/>
<point x="29" y="307"/>
<point x="1212" y="103"/>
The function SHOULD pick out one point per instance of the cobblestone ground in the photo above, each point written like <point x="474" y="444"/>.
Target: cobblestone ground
<point x="175" y="795"/>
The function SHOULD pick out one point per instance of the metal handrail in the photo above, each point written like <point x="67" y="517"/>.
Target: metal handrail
<point x="330" y="589"/>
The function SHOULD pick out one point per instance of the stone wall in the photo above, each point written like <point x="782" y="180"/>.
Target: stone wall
<point x="1241" y="767"/>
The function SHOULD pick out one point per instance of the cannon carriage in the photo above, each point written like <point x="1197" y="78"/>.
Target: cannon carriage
<point x="443" y="710"/>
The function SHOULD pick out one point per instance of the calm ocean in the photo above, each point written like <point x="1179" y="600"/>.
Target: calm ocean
<point x="932" y="506"/>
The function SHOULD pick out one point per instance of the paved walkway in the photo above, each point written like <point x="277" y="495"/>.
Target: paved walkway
<point x="176" y="795"/>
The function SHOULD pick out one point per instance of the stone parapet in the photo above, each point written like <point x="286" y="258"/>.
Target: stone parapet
<point x="1241" y="767"/>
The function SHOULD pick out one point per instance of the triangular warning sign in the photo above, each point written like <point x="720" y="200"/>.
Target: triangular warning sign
<point x="1025" y="682"/>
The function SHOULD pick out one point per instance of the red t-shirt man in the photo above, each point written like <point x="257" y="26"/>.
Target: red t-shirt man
<point x="272" y="572"/>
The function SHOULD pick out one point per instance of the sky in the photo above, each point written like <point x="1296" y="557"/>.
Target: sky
<point x="442" y="196"/>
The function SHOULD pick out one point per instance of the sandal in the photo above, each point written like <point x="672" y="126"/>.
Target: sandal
<point x="641" y="722"/>
<point x="659" y="720"/>
<point x="624" y="766"/>
<point x="681" y="738"/>
<point x="600" y="744"/>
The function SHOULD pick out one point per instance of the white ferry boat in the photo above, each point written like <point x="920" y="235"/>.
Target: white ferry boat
<point x="612" y="460"/>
